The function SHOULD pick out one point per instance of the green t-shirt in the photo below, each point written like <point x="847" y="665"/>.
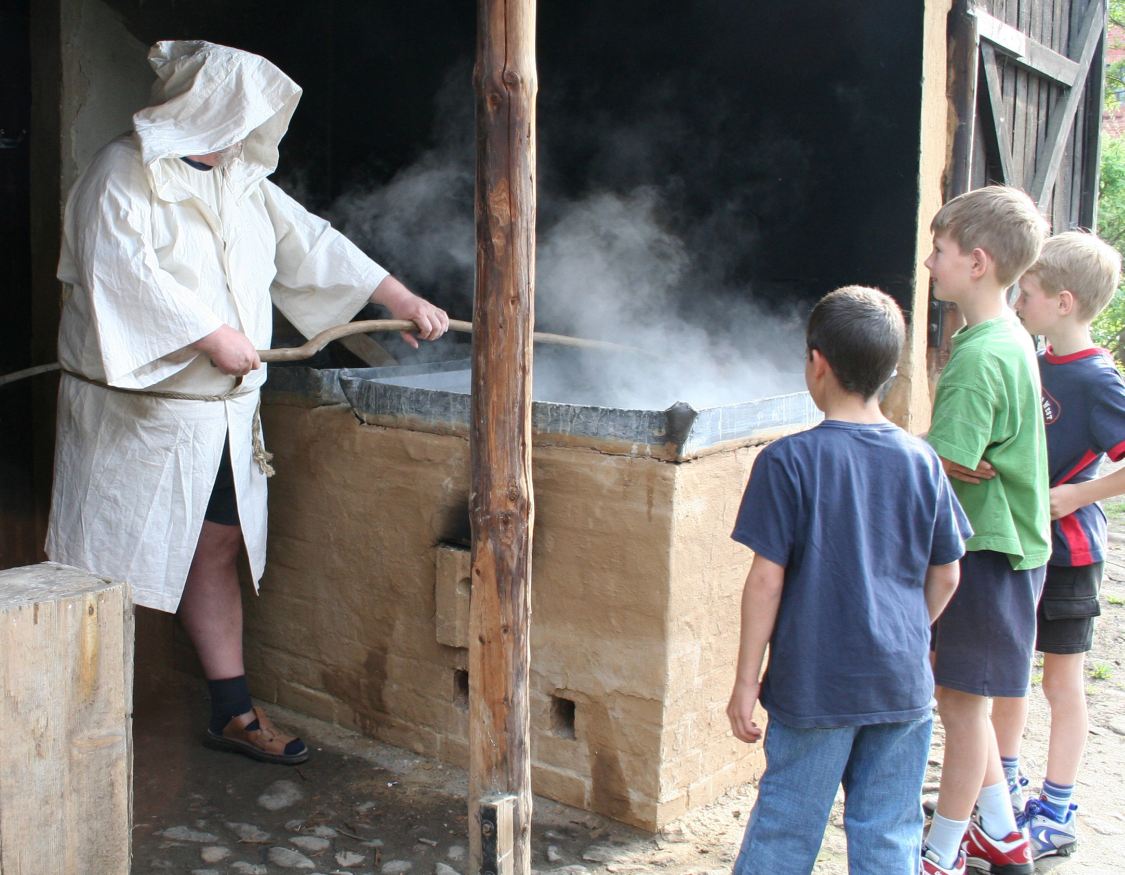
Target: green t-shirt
<point x="989" y="406"/>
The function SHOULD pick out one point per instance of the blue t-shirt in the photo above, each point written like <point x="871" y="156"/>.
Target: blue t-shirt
<point x="1084" y="411"/>
<point x="856" y="513"/>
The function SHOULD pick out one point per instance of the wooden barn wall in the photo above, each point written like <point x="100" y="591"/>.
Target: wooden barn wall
<point x="1028" y="101"/>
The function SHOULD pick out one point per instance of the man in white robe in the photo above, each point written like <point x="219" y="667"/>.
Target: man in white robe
<point x="174" y="247"/>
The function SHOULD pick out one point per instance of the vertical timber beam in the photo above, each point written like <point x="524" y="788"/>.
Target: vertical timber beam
<point x="963" y="78"/>
<point x="501" y="504"/>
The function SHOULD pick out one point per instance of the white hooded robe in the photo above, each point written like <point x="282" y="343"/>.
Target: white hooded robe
<point x="157" y="254"/>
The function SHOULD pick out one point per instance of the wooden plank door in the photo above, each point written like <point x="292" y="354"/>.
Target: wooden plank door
<point x="1026" y="97"/>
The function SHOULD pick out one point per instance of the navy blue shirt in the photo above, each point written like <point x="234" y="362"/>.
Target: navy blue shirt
<point x="1084" y="411"/>
<point x="856" y="513"/>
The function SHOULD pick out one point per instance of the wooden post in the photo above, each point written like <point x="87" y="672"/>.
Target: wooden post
<point x="501" y="504"/>
<point x="66" y="660"/>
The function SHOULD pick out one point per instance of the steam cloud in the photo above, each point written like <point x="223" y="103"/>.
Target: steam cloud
<point x="612" y="264"/>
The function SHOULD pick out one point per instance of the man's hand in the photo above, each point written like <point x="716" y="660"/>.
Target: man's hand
<point x="230" y="351"/>
<point x="740" y="710"/>
<point x="1065" y="500"/>
<point x="983" y="471"/>
<point x="432" y="321"/>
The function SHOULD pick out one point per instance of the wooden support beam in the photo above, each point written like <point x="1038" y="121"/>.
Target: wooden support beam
<point x="962" y="40"/>
<point x="1062" y="113"/>
<point x="66" y="658"/>
<point x="501" y="505"/>
<point x="1026" y="52"/>
<point x="1001" y="127"/>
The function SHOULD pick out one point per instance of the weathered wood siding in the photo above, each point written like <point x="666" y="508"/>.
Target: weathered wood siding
<point x="1028" y="99"/>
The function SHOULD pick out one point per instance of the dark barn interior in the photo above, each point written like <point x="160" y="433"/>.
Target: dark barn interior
<point x="772" y="151"/>
<point x="780" y="141"/>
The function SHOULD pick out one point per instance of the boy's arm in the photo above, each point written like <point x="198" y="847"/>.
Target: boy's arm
<point x="1068" y="497"/>
<point x="983" y="471"/>
<point x="760" y="600"/>
<point x="962" y="426"/>
<point x="941" y="583"/>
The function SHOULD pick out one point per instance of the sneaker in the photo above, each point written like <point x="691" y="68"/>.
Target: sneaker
<point x="931" y="864"/>
<point x="1010" y="855"/>
<point x="1050" y="836"/>
<point x="1017" y="789"/>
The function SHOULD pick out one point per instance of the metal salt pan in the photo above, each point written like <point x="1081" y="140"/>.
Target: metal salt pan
<point x="434" y="398"/>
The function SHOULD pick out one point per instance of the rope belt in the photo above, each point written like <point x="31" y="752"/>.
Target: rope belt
<point x="262" y="457"/>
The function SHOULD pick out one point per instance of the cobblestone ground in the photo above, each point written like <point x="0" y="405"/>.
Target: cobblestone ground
<point x="362" y="807"/>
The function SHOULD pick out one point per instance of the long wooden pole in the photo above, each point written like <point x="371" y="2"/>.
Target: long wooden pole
<point x="501" y="502"/>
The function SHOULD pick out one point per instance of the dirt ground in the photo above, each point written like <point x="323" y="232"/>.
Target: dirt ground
<point x="362" y="807"/>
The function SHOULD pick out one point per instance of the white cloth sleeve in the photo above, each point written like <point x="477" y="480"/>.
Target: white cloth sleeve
<point x="323" y="279"/>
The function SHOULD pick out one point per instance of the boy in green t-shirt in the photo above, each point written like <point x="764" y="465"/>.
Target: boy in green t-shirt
<point x="988" y="430"/>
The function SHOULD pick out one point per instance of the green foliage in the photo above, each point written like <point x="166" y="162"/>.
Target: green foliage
<point x="1101" y="672"/>
<point x="1110" y="323"/>
<point x="1114" y="510"/>
<point x="1108" y="328"/>
<point x="1115" y="600"/>
<point x="1115" y="72"/>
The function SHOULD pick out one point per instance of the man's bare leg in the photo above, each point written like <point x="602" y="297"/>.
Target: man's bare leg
<point x="211" y="607"/>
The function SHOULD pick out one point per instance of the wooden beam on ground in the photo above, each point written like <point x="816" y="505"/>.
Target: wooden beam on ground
<point x="66" y="658"/>
<point x="501" y="504"/>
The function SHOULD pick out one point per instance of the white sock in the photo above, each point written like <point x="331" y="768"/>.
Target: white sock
<point x="995" y="807"/>
<point x="945" y="838"/>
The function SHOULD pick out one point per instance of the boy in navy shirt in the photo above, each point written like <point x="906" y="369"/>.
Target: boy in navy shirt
<point x="856" y="534"/>
<point x="1084" y="409"/>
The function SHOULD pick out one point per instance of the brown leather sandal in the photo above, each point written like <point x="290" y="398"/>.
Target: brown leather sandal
<point x="264" y="742"/>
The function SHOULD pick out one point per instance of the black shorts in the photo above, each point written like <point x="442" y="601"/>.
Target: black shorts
<point x="1068" y="607"/>
<point x="223" y="506"/>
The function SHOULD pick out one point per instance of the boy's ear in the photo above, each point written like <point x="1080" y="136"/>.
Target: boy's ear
<point x="980" y="262"/>
<point x="1064" y="300"/>
<point x="819" y="363"/>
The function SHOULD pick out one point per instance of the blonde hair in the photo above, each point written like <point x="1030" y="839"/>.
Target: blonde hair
<point x="1084" y="265"/>
<point x="1001" y="220"/>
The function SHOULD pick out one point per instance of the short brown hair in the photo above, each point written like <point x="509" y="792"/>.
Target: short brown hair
<point x="1001" y="220"/>
<point x="1084" y="265"/>
<point x="860" y="331"/>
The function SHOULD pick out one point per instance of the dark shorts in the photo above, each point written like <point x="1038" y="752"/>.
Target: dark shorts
<point x="223" y="506"/>
<point x="983" y="640"/>
<point x="1068" y="607"/>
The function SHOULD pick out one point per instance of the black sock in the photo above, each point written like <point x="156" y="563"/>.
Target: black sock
<point x="229" y="698"/>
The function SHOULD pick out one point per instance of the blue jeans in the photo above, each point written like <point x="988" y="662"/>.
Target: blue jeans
<point x="881" y="767"/>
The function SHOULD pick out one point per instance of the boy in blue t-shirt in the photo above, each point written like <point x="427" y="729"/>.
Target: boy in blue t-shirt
<point x="857" y="535"/>
<point x="1084" y="409"/>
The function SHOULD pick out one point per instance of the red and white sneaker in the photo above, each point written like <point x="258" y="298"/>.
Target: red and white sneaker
<point x="931" y="864"/>
<point x="1010" y="855"/>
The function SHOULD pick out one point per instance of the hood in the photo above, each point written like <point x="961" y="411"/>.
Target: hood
<point x="207" y="97"/>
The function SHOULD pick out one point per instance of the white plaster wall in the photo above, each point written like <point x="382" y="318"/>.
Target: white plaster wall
<point x="106" y="78"/>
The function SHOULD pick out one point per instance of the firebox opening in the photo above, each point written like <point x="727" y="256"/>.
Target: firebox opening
<point x="562" y="717"/>
<point x="461" y="689"/>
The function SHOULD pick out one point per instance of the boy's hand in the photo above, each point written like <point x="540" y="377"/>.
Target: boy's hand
<point x="1065" y="500"/>
<point x="740" y="710"/>
<point x="983" y="471"/>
